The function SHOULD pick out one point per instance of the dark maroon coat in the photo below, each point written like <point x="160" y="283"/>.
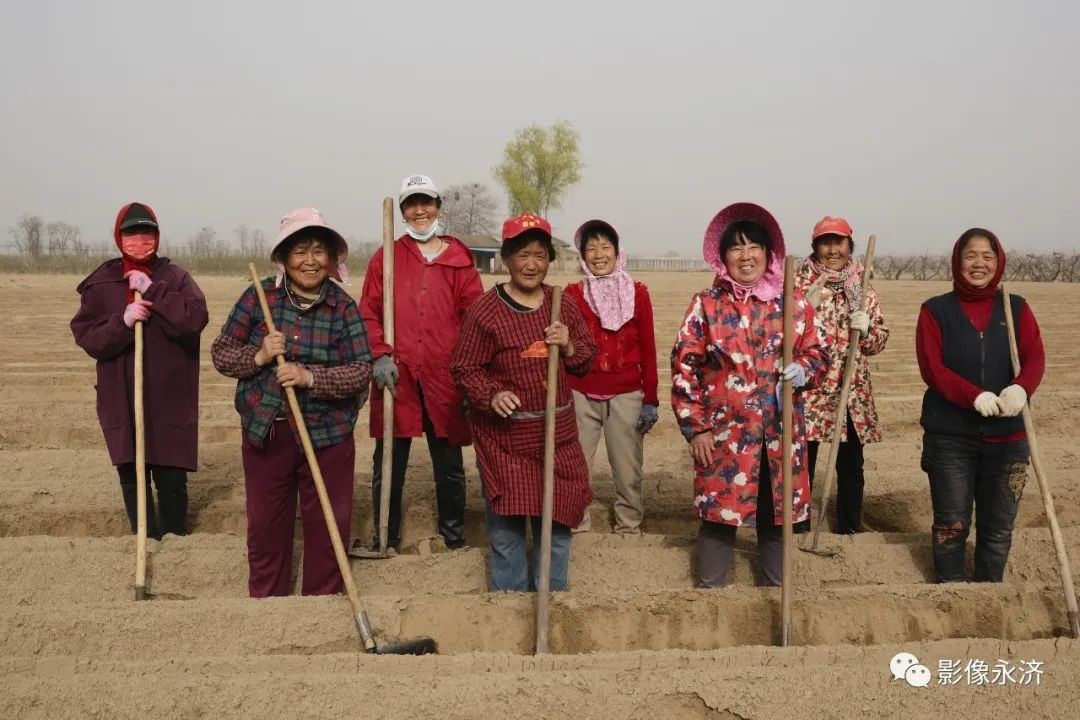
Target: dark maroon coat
<point x="170" y="361"/>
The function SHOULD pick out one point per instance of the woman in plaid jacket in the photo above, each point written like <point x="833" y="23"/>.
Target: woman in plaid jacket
<point x="500" y="364"/>
<point x="321" y="335"/>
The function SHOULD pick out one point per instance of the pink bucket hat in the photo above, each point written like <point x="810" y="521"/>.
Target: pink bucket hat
<point x="302" y="219"/>
<point x="737" y="212"/>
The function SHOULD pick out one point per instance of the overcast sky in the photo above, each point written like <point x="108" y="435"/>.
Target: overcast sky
<point x="915" y="120"/>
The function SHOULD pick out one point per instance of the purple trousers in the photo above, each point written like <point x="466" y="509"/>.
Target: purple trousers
<point x="273" y="476"/>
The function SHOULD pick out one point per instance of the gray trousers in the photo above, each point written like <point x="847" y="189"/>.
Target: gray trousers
<point x="716" y="543"/>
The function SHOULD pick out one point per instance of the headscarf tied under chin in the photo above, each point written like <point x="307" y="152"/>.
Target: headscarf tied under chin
<point x="962" y="287"/>
<point x="611" y="296"/>
<point x="136" y="215"/>
<point x="771" y="284"/>
<point x="847" y="280"/>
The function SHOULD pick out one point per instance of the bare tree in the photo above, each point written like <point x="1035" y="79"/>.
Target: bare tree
<point x="27" y="235"/>
<point x="468" y="209"/>
<point x="931" y="267"/>
<point x="205" y="243"/>
<point x="360" y="251"/>
<point x="1071" y="268"/>
<point x="258" y="243"/>
<point x="252" y="242"/>
<point x="243" y="238"/>
<point x="64" y="239"/>
<point x="893" y="267"/>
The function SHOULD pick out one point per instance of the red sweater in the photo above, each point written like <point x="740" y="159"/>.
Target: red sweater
<point x="961" y="391"/>
<point x="625" y="358"/>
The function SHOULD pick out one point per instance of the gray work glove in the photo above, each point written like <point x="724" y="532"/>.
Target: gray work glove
<point x="385" y="373"/>
<point x="647" y="418"/>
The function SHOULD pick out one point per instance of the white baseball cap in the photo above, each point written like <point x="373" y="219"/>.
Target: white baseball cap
<point x="417" y="185"/>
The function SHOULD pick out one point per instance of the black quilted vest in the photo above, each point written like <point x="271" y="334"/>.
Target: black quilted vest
<point x="979" y="357"/>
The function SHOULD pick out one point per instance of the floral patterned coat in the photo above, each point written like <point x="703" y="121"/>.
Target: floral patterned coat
<point x="725" y="366"/>
<point x="821" y="400"/>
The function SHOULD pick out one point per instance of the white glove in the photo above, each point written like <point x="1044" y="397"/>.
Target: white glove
<point x="859" y="320"/>
<point x="796" y="373"/>
<point x="1011" y="401"/>
<point x="987" y="404"/>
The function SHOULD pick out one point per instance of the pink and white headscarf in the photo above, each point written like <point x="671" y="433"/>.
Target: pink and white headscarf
<point x="611" y="296"/>
<point x="771" y="284"/>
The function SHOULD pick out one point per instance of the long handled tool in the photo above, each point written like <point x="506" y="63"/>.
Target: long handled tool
<point x="543" y="608"/>
<point x="840" y="418"/>
<point x="786" y="420"/>
<point x="388" y="395"/>
<point x="140" y="466"/>
<point x="1044" y="483"/>
<point x="363" y="626"/>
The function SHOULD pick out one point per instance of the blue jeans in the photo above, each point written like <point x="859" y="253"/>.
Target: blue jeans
<point x="966" y="472"/>
<point x="508" y="560"/>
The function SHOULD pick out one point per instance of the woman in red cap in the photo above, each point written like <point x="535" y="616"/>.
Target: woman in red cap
<point x="321" y="335"/>
<point x="726" y="369"/>
<point x="500" y="364"/>
<point x="975" y="452"/>
<point x="173" y="313"/>
<point x="618" y="396"/>
<point x="434" y="282"/>
<point x="832" y="281"/>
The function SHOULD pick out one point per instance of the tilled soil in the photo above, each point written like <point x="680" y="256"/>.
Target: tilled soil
<point x="632" y="637"/>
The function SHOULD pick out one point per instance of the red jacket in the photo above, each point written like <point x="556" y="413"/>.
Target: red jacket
<point x="430" y="299"/>
<point x="957" y="389"/>
<point x="625" y="358"/>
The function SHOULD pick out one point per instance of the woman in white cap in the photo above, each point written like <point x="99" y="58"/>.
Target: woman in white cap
<point x="321" y="335"/>
<point x="618" y="396"/>
<point x="832" y="280"/>
<point x="435" y="281"/>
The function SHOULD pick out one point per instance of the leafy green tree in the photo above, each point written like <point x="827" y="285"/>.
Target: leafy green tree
<point x="538" y="167"/>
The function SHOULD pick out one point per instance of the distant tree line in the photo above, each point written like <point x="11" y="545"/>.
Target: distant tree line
<point x="1035" y="267"/>
<point x="539" y="166"/>
<point x="37" y="245"/>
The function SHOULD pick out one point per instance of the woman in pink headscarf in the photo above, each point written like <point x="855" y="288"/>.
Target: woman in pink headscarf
<point x="618" y="395"/>
<point x="726" y="373"/>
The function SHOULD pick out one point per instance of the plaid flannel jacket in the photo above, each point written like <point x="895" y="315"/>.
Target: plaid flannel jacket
<point x="328" y="338"/>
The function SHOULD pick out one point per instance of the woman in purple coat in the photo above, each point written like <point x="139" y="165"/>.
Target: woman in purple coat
<point x="173" y="313"/>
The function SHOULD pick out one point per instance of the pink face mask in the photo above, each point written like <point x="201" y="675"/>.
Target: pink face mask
<point x="140" y="246"/>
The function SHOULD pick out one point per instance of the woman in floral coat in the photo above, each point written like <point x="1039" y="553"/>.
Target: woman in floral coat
<point x="832" y="280"/>
<point x="726" y="369"/>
